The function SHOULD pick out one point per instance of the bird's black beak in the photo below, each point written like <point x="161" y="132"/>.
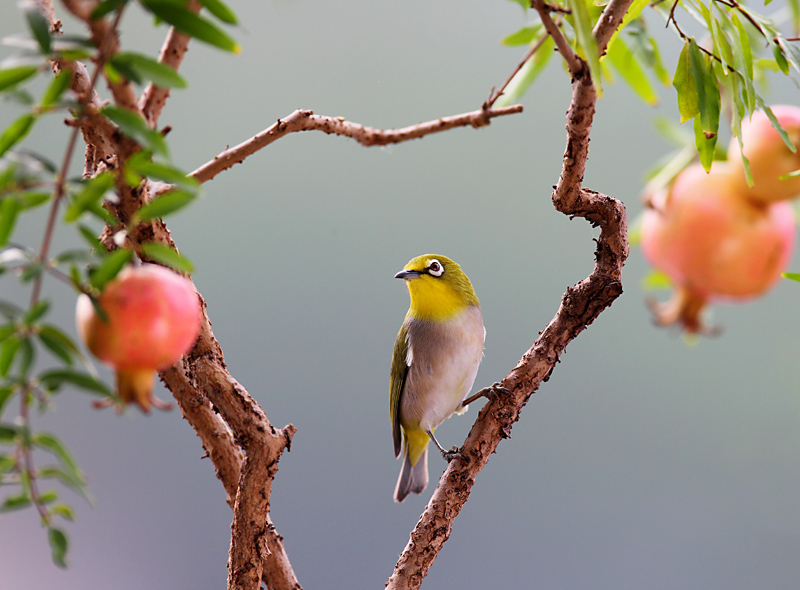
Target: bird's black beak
<point x="407" y="274"/>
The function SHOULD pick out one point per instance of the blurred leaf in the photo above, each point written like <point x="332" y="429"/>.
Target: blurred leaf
<point x="138" y="67"/>
<point x="780" y="59"/>
<point x="106" y="7"/>
<point x="136" y="128"/>
<point x="743" y="60"/>
<point x="7" y="330"/>
<point x="686" y="86"/>
<point x="13" y="76"/>
<point x="192" y="24"/>
<point x="64" y="511"/>
<point x="523" y="79"/>
<point x="525" y="36"/>
<point x="58" y="343"/>
<point x="220" y="10"/>
<point x="9" y="209"/>
<point x="55" y="378"/>
<point x="51" y="443"/>
<point x="72" y="255"/>
<point x="167" y="256"/>
<point x="795" y="276"/>
<point x="110" y="268"/>
<point x="586" y="41"/>
<point x="8" y="350"/>
<point x="656" y="279"/>
<point x="624" y="61"/>
<point x="15" y="503"/>
<point x="31" y="271"/>
<point x="708" y="101"/>
<point x="92" y="192"/>
<point x="7" y="463"/>
<point x="15" y="132"/>
<point x="9" y="310"/>
<point x="164" y="204"/>
<point x="26" y="355"/>
<point x="90" y="237"/>
<point x="39" y="26"/>
<point x="776" y="124"/>
<point x="8" y="433"/>
<point x="57" y="87"/>
<point x="31" y="200"/>
<point x="58" y="546"/>
<point x="34" y="313"/>
<point x="141" y="164"/>
<point x="6" y="393"/>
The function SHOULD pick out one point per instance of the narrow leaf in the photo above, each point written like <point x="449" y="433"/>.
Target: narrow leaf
<point x="55" y="378"/>
<point x="15" y="132"/>
<point x="626" y="64"/>
<point x="191" y="24"/>
<point x="586" y="41"/>
<point x="15" y="503"/>
<point x="220" y="10"/>
<point x="12" y="76"/>
<point x="57" y="87"/>
<point x="686" y="86"/>
<point x="795" y="276"/>
<point x="106" y="7"/>
<point x="8" y="350"/>
<point x="39" y="27"/>
<point x="91" y="193"/>
<point x="142" y="165"/>
<point x="9" y="209"/>
<point x="525" y="36"/>
<point x="526" y="76"/>
<point x="164" y="205"/>
<point x="58" y="546"/>
<point x="167" y="256"/>
<point x="135" y="127"/>
<point x="58" y="343"/>
<point x="37" y="311"/>
<point x="110" y="268"/>
<point x="138" y="67"/>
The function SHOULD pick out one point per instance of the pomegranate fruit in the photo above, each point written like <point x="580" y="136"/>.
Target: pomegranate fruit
<point x="713" y="243"/>
<point x="152" y="319"/>
<point x="769" y="157"/>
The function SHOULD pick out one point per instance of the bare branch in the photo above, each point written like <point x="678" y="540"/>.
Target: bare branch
<point x="175" y="46"/>
<point x="302" y="120"/>
<point x="574" y="63"/>
<point x="580" y="306"/>
<point x="609" y="22"/>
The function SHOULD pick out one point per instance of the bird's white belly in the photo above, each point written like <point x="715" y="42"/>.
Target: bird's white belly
<point x="444" y="363"/>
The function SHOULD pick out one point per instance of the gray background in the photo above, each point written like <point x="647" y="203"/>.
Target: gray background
<point x="643" y="463"/>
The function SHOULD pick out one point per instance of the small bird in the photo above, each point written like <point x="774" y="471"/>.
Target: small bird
<point x="436" y="358"/>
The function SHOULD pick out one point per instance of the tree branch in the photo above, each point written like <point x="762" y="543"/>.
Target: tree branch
<point x="302" y="120"/>
<point x="174" y="49"/>
<point x="580" y="306"/>
<point x="609" y="22"/>
<point x="574" y="63"/>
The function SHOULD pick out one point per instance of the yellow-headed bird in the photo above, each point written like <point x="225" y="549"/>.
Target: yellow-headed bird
<point x="436" y="358"/>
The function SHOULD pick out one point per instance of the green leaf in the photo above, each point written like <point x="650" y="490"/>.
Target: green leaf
<point x="708" y="101"/>
<point x="10" y="77"/>
<point x="64" y="511"/>
<point x="795" y="276"/>
<point x="525" y="36"/>
<point x="138" y="67"/>
<point x="191" y="24"/>
<point x="136" y="128"/>
<point x="8" y="350"/>
<point x="110" y="268"/>
<point x="57" y="87"/>
<point x="9" y="209"/>
<point x="15" y="132"/>
<point x="15" y="503"/>
<point x="527" y="74"/>
<point x="165" y="204"/>
<point x="656" y="279"/>
<point x="58" y="343"/>
<point x="705" y="145"/>
<point x="31" y="200"/>
<point x="7" y="463"/>
<point x="142" y="165"/>
<point x="34" y="313"/>
<point x="586" y="41"/>
<point x="92" y="192"/>
<point x="743" y="60"/>
<point x="27" y="355"/>
<point x="9" y="310"/>
<point x="6" y="393"/>
<point x="686" y="86"/>
<point x="90" y="237"/>
<point x="780" y="59"/>
<point x="50" y="443"/>
<point x="39" y="27"/>
<point x="776" y="124"/>
<point x="167" y="256"/>
<point x="55" y="378"/>
<point x="626" y="64"/>
<point x="106" y="7"/>
<point x="58" y="546"/>
<point x="7" y="330"/>
<point x="220" y="10"/>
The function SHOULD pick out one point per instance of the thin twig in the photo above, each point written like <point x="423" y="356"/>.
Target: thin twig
<point x="497" y="94"/>
<point x="574" y="63"/>
<point x="304" y="120"/>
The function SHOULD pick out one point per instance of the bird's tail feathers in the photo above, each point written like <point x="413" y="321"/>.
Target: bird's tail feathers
<point x="413" y="478"/>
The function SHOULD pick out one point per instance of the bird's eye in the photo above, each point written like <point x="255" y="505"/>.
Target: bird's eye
<point x="435" y="268"/>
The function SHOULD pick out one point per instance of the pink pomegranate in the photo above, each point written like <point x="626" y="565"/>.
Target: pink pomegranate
<point x="713" y="243"/>
<point x="769" y="157"/>
<point x="153" y="318"/>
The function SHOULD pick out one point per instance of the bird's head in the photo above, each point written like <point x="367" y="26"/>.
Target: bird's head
<point x="438" y="287"/>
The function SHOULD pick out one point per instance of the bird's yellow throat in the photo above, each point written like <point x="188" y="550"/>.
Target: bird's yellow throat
<point x="436" y="300"/>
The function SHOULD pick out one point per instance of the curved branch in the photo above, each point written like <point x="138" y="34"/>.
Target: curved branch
<point x="580" y="305"/>
<point x="303" y="120"/>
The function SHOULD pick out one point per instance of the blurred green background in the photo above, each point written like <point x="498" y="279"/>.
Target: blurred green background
<point x="642" y="462"/>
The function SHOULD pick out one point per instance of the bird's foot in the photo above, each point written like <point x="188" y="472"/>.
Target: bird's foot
<point x="491" y="393"/>
<point x="453" y="453"/>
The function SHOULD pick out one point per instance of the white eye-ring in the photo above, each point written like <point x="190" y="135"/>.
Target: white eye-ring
<point x="435" y="268"/>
